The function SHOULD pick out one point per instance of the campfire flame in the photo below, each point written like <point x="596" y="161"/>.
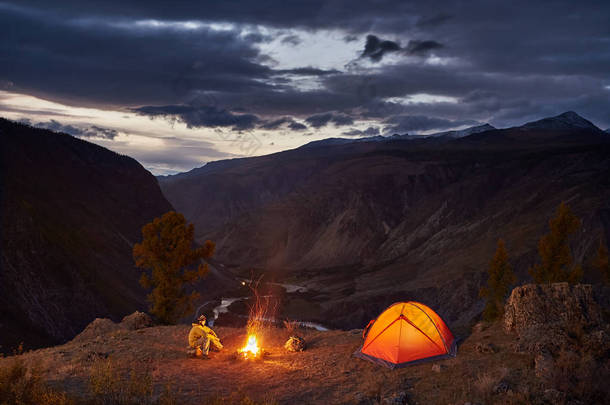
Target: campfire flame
<point x="251" y="349"/>
<point x="261" y="311"/>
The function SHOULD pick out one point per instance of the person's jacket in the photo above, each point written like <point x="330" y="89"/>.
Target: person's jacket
<point x="198" y="331"/>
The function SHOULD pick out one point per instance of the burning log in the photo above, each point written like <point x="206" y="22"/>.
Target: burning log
<point x="251" y="349"/>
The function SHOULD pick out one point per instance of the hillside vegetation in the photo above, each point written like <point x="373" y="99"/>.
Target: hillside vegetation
<point x="70" y="212"/>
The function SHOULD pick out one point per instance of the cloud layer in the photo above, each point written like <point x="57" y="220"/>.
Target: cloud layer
<point x="255" y="66"/>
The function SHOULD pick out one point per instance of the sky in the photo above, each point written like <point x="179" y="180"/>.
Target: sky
<point x="181" y="83"/>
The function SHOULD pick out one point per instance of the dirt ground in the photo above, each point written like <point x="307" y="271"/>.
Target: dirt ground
<point x="325" y="373"/>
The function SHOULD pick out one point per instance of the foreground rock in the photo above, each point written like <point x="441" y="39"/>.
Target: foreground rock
<point x="563" y="327"/>
<point x="295" y="344"/>
<point x="137" y="320"/>
<point x="103" y="326"/>
<point x="550" y="304"/>
<point x="557" y="317"/>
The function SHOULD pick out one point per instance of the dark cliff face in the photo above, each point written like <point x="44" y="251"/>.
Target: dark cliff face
<point x="70" y="214"/>
<point x="369" y="223"/>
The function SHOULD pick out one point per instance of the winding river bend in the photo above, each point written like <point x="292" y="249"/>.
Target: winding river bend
<point x="225" y="303"/>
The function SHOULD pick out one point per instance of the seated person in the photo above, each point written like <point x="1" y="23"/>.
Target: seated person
<point x="201" y="338"/>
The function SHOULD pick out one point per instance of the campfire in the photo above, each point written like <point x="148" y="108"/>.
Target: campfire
<point x="251" y="349"/>
<point x="260" y="312"/>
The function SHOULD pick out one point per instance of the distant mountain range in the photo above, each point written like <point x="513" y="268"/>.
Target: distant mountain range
<point x="365" y="222"/>
<point x="464" y="132"/>
<point x="397" y="137"/>
<point x="566" y="121"/>
<point x="70" y="213"/>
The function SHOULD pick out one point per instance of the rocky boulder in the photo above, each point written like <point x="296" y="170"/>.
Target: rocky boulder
<point x="295" y="344"/>
<point x="535" y="305"/>
<point x="98" y="327"/>
<point x="104" y="326"/>
<point x="137" y="320"/>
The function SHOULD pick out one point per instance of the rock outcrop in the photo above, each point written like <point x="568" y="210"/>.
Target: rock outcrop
<point x="535" y="305"/>
<point x="551" y="319"/>
<point x="137" y="320"/>
<point x="105" y="326"/>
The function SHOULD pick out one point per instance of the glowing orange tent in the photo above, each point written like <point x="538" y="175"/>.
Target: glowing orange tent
<point x="406" y="333"/>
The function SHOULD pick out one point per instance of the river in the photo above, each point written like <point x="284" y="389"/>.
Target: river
<point x="290" y="288"/>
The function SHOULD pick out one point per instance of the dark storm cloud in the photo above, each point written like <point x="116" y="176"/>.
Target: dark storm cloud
<point x="307" y="71"/>
<point x="434" y="20"/>
<point x="95" y="62"/>
<point x="275" y="124"/>
<point x="342" y="119"/>
<point x="370" y="131"/>
<point x="416" y="47"/>
<point x="320" y="120"/>
<point x="201" y="116"/>
<point x="312" y="14"/>
<point x="297" y="126"/>
<point x="406" y="123"/>
<point x="502" y="61"/>
<point x="92" y="131"/>
<point x="284" y="121"/>
<point x="375" y="48"/>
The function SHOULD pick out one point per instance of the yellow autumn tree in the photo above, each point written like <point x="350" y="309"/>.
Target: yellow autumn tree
<point x="557" y="263"/>
<point x="501" y="277"/>
<point x="601" y="262"/>
<point x="170" y="262"/>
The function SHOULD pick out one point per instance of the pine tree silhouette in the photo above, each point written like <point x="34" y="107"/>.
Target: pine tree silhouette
<point x="557" y="264"/>
<point x="167" y="255"/>
<point x="501" y="277"/>
<point x="601" y="261"/>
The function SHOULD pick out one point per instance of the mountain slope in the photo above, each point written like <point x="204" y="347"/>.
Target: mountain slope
<point x="464" y="132"/>
<point x="567" y="120"/>
<point x="365" y="224"/>
<point x="71" y="212"/>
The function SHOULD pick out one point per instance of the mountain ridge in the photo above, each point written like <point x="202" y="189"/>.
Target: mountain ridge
<point x="566" y="120"/>
<point x="362" y="224"/>
<point x="71" y="212"/>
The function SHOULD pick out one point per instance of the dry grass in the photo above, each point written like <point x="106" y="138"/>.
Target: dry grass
<point x="21" y="385"/>
<point x="582" y="376"/>
<point x="142" y="363"/>
<point x="237" y="398"/>
<point x="108" y="385"/>
<point x="291" y="327"/>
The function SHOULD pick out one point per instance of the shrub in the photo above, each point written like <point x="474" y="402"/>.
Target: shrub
<point x="21" y="385"/>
